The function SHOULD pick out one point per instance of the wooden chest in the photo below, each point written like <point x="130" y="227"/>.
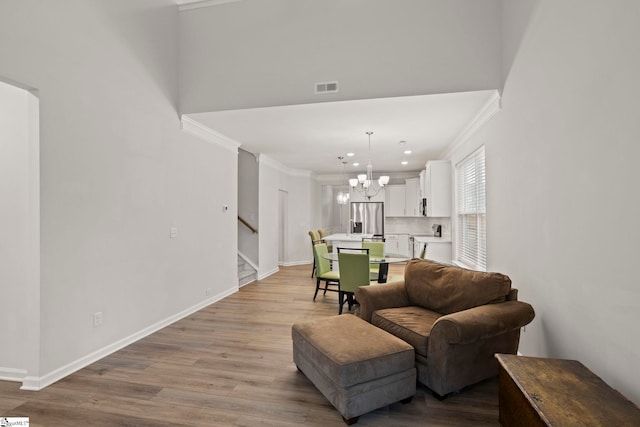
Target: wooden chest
<point x="554" y="392"/>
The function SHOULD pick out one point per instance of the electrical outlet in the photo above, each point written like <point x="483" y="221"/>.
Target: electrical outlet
<point x="208" y="292"/>
<point x="97" y="319"/>
<point x="173" y="232"/>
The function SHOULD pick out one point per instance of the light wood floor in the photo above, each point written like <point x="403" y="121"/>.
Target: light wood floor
<point x="229" y="364"/>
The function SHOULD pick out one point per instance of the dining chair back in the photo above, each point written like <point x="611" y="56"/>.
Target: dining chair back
<point x="423" y="251"/>
<point x="322" y="233"/>
<point x="354" y="272"/>
<point x="376" y="250"/>
<point x="324" y="272"/>
<point x="354" y="250"/>
<point x="315" y="238"/>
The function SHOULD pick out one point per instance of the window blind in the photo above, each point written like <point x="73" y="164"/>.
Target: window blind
<point x="471" y="212"/>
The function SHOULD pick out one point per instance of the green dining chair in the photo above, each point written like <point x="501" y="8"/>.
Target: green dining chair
<point x="423" y="251"/>
<point x="376" y="250"/>
<point x="354" y="272"/>
<point x="324" y="272"/>
<point x="315" y="238"/>
<point x="322" y="233"/>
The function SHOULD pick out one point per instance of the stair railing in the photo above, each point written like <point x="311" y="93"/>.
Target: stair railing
<point x="246" y="224"/>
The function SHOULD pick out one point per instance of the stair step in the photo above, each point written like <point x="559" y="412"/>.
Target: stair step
<point x="246" y="273"/>
<point x="246" y="278"/>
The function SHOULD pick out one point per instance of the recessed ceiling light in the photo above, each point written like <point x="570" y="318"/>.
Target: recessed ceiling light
<point x="407" y="152"/>
<point x="356" y="164"/>
<point x="405" y="162"/>
<point x="350" y="154"/>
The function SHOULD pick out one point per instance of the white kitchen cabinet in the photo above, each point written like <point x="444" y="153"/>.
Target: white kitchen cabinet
<point x="397" y="244"/>
<point x="436" y="250"/>
<point x="390" y="243"/>
<point x="439" y="252"/>
<point x="437" y="186"/>
<point x="412" y="197"/>
<point x="394" y="201"/>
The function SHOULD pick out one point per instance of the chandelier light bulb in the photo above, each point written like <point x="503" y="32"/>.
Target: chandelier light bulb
<point x="364" y="183"/>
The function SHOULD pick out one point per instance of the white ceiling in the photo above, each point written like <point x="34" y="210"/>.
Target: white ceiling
<point x="194" y="4"/>
<point x="312" y="136"/>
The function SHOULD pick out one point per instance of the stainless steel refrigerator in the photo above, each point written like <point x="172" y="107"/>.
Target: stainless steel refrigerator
<point x="366" y="218"/>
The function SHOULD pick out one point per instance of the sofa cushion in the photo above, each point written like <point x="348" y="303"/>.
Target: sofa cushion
<point x="448" y="289"/>
<point x="411" y="324"/>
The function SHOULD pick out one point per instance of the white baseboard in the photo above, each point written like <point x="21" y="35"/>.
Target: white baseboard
<point x="291" y="264"/>
<point x="268" y="273"/>
<point x="12" y="374"/>
<point x="38" y="383"/>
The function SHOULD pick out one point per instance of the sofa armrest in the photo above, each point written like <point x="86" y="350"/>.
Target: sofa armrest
<point x="377" y="297"/>
<point x="482" y="322"/>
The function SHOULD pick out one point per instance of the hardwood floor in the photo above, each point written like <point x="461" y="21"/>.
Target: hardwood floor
<point x="229" y="364"/>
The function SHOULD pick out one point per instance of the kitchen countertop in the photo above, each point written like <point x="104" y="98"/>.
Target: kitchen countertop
<point x="344" y="237"/>
<point x="431" y="239"/>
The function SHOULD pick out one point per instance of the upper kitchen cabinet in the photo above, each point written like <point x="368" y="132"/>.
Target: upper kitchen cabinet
<point x="394" y="200"/>
<point x="437" y="188"/>
<point x="412" y="197"/>
<point x="403" y="200"/>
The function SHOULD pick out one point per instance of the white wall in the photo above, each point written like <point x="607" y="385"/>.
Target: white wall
<point x="301" y="193"/>
<point x="335" y="217"/>
<point x="300" y="187"/>
<point x="271" y="52"/>
<point x="270" y="183"/>
<point x="20" y="243"/>
<point x="562" y="184"/>
<point x="116" y="173"/>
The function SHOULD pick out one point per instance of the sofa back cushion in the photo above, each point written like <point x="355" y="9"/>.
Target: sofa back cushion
<point x="448" y="289"/>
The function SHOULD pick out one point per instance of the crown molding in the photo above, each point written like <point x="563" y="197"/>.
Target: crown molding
<point x="332" y="179"/>
<point x="490" y="108"/>
<point x="190" y="4"/>
<point x="201" y="131"/>
<point x="268" y="161"/>
<point x="340" y="180"/>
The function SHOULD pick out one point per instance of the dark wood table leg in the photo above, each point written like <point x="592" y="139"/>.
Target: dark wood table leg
<point x="383" y="272"/>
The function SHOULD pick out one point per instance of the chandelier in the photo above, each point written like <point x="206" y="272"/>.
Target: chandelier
<point x="342" y="197"/>
<point x="364" y="183"/>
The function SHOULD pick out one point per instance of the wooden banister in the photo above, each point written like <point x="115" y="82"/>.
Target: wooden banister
<point x="246" y="224"/>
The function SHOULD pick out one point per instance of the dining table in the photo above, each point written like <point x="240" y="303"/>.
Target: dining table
<point x="384" y="262"/>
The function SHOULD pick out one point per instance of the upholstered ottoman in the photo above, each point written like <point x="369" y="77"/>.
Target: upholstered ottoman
<point x="355" y="365"/>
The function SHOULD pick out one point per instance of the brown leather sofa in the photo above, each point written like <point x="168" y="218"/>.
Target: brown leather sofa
<point x="455" y="319"/>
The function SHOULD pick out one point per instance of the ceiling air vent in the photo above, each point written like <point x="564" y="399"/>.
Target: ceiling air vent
<point x="327" y="87"/>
